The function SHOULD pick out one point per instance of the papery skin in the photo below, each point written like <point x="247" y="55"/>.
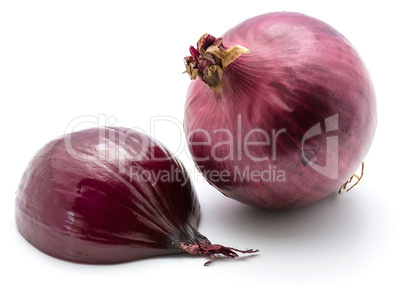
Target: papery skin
<point x="109" y="195"/>
<point x="88" y="210"/>
<point x="299" y="72"/>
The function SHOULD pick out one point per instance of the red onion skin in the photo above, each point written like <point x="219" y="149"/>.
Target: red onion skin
<point x="299" y="72"/>
<point x="87" y="209"/>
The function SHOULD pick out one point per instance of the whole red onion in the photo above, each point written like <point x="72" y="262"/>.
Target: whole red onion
<point x="283" y="111"/>
<point x="110" y="195"/>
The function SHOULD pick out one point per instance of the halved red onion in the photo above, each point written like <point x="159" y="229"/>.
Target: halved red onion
<point x="110" y="195"/>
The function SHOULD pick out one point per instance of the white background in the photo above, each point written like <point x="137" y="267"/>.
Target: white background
<point x="62" y="60"/>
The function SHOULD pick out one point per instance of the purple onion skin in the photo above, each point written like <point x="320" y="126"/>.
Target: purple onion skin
<point x="88" y="211"/>
<point x="299" y="72"/>
<point x="85" y="198"/>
